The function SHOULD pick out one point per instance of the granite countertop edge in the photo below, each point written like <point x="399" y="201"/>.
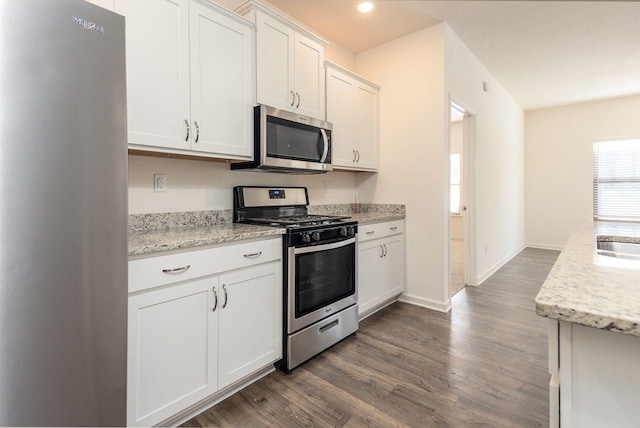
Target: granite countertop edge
<point x="147" y="243"/>
<point x="581" y="290"/>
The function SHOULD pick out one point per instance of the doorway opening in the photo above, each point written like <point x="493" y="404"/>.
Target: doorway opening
<point x="461" y="214"/>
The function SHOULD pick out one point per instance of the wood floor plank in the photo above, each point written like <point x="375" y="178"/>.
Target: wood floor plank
<point x="482" y="364"/>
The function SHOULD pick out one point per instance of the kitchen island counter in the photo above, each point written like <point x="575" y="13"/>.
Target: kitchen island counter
<point x="591" y="289"/>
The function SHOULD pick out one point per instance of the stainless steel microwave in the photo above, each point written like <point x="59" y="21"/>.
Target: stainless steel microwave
<point x="289" y="143"/>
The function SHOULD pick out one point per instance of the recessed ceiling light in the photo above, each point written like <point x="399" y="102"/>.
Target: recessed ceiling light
<point x="365" y="6"/>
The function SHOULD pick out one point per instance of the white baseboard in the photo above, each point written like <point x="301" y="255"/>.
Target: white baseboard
<point x="426" y="303"/>
<point x="545" y="246"/>
<point x="493" y="269"/>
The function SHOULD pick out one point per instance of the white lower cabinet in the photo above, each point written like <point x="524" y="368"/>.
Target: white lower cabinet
<point x="250" y="321"/>
<point x="173" y="341"/>
<point x="190" y="339"/>
<point x="595" y="378"/>
<point x="380" y="265"/>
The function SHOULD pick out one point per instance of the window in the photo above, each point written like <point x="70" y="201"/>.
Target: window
<point x="454" y="200"/>
<point x="616" y="180"/>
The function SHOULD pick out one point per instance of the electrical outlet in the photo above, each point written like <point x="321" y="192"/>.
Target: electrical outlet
<point x="159" y="182"/>
<point x="328" y="186"/>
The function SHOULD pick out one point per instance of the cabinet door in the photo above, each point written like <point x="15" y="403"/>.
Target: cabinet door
<point x="339" y="113"/>
<point x="172" y="356"/>
<point x="365" y="125"/>
<point x="250" y="321"/>
<point x="274" y="65"/>
<point x="309" y="77"/>
<point x="369" y="275"/>
<point x="221" y="88"/>
<point x="157" y="71"/>
<point x="393" y="267"/>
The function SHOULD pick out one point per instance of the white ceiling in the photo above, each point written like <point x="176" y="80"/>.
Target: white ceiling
<point x="544" y="53"/>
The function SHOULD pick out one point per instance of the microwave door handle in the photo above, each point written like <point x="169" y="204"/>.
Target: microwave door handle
<point x="325" y="152"/>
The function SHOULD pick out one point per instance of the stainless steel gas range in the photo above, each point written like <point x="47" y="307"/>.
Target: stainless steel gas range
<point x="320" y="279"/>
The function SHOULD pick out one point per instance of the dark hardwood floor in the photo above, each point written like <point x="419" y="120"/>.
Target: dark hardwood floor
<point x="484" y="363"/>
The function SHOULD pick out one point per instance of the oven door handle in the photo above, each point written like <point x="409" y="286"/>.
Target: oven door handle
<point x="332" y="246"/>
<point x="325" y="152"/>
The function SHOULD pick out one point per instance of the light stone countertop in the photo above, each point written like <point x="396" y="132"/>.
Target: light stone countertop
<point x="376" y="217"/>
<point x="173" y="239"/>
<point x="594" y="290"/>
<point x="153" y="233"/>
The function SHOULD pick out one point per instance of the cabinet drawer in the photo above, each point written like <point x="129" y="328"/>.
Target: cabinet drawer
<point x="380" y="230"/>
<point x="161" y="270"/>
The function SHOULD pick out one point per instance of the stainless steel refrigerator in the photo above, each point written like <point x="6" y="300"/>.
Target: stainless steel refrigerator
<point x="63" y="214"/>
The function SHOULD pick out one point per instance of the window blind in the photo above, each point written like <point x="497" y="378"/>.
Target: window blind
<point x="616" y="180"/>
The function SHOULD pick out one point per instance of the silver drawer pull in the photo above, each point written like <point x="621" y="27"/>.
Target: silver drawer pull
<point x="371" y="232"/>
<point x="328" y="326"/>
<point x="253" y="255"/>
<point x="176" y="270"/>
<point x="215" y="301"/>
<point x="394" y="228"/>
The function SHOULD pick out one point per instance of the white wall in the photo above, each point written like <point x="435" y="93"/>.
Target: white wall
<point x="413" y="154"/>
<point x="201" y="185"/>
<point x="456" y="225"/>
<point x="559" y="168"/>
<point x="416" y="80"/>
<point x="498" y="181"/>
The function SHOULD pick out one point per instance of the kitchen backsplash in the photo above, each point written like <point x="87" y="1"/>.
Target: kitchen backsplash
<point x="204" y="186"/>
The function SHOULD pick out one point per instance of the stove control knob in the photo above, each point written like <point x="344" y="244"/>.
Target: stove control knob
<point x="305" y="237"/>
<point x="352" y="230"/>
<point x="315" y="236"/>
<point x="344" y="231"/>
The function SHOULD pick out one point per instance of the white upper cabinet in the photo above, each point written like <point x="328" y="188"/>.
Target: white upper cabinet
<point x="274" y="63"/>
<point x="221" y="83"/>
<point x="352" y="108"/>
<point x="157" y="72"/>
<point x="309" y="77"/>
<point x="189" y="78"/>
<point x="289" y="62"/>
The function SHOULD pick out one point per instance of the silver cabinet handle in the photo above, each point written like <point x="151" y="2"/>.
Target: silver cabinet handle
<point x="293" y="98"/>
<point x="381" y="251"/>
<point x="176" y="270"/>
<point x="385" y="249"/>
<point x="253" y="255"/>
<point x="328" y="326"/>
<point x="354" y="156"/>
<point x="197" y="131"/>
<point x="186" y="122"/>
<point x="325" y="140"/>
<point x="358" y="153"/>
<point x="394" y="228"/>
<point x="371" y="232"/>
<point x="215" y="301"/>
<point x="224" y="288"/>
<point x="298" y="105"/>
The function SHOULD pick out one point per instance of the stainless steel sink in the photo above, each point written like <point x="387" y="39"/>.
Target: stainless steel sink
<point x="621" y="250"/>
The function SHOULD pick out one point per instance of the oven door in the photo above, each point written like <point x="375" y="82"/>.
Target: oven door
<point x="322" y="281"/>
